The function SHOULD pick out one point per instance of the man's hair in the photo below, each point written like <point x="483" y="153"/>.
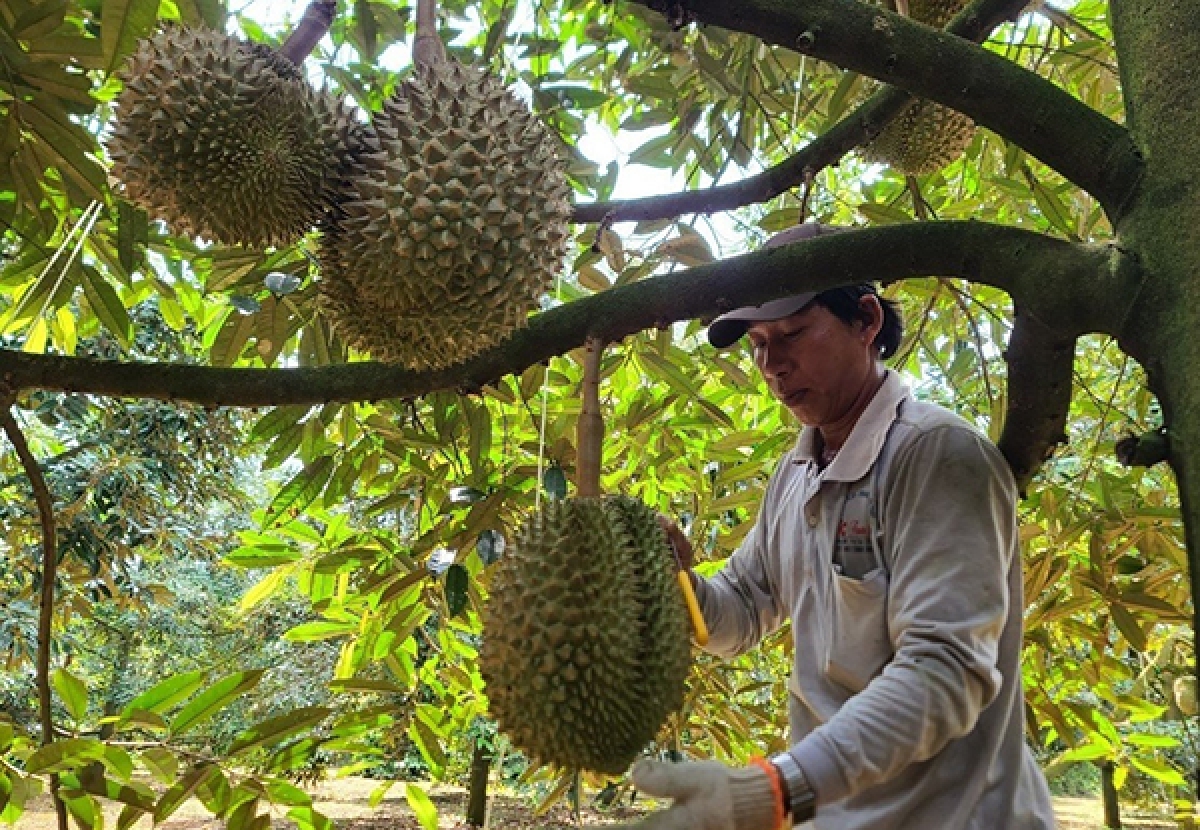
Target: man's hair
<point x="843" y="304"/>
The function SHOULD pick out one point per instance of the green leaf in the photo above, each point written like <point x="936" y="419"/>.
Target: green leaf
<point x="274" y="730"/>
<point x="1159" y="770"/>
<point x="421" y="805"/>
<point x="301" y="490"/>
<point x="161" y="763"/>
<point x="377" y="794"/>
<point x="1088" y="752"/>
<point x="213" y="699"/>
<point x="173" y="798"/>
<point x="1147" y="739"/>
<point x="262" y="556"/>
<point x="72" y="691"/>
<point x="457" y="582"/>
<point x="282" y="792"/>
<point x="1128" y="625"/>
<point x="65" y="754"/>
<point x="307" y="818"/>
<point x="166" y="693"/>
<point x="310" y="632"/>
<point x="122" y="23"/>
<point x="106" y="305"/>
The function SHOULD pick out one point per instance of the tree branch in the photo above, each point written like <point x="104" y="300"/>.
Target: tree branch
<point x="857" y="128"/>
<point x="1091" y="150"/>
<point x="1048" y="274"/>
<point x="1040" y="362"/>
<point x="1144" y="450"/>
<point x="317" y="19"/>
<point x="866" y="122"/>
<point x="45" y="505"/>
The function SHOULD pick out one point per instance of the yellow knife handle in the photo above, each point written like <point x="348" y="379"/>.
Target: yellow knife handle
<point x="693" y="606"/>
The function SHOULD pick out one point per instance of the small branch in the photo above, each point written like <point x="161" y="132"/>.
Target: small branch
<point x="589" y="438"/>
<point x="427" y="47"/>
<point x="826" y="150"/>
<point x="1082" y="144"/>
<point x="45" y="505"/>
<point x="859" y="127"/>
<point x="1072" y="284"/>
<point x="317" y="19"/>
<point x="1040" y="361"/>
<point x="1143" y="450"/>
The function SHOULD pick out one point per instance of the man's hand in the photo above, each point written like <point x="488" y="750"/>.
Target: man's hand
<point x="683" y="548"/>
<point x="708" y="796"/>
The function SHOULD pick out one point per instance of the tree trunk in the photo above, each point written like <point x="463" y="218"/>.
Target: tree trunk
<point x="477" y="793"/>
<point x="1112" y="807"/>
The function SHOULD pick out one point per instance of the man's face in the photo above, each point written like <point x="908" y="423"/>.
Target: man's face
<point x="815" y="363"/>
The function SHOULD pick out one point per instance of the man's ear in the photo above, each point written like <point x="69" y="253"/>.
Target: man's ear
<point x="871" y="317"/>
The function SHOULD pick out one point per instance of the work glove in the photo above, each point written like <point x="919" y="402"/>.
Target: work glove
<point x="708" y="796"/>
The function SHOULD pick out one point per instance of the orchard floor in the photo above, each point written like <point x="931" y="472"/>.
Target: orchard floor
<point x="345" y="801"/>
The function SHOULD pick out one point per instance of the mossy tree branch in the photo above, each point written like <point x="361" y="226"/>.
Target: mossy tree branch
<point x="827" y="149"/>
<point x="1044" y="273"/>
<point x="1091" y="150"/>
<point x="45" y="507"/>
<point x="1040" y="362"/>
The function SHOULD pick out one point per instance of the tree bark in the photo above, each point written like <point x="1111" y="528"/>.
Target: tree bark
<point x="1112" y="805"/>
<point x="1082" y="288"/>
<point x="477" y="790"/>
<point x="1086" y="147"/>
<point x="45" y="506"/>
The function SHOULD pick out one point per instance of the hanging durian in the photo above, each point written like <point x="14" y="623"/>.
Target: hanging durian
<point x="457" y="228"/>
<point x="926" y="136"/>
<point x="585" y="635"/>
<point x="585" y="644"/>
<point x="226" y="140"/>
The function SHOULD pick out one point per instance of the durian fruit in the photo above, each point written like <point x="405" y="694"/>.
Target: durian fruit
<point x="586" y="641"/>
<point x="926" y="136"/>
<point x="226" y="140"/>
<point x="457" y="228"/>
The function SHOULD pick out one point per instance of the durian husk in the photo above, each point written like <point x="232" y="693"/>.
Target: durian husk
<point x="225" y="140"/>
<point x="926" y="136"/>
<point x="455" y="230"/>
<point x="585" y="646"/>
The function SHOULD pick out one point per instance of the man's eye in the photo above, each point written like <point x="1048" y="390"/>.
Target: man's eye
<point x="792" y="335"/>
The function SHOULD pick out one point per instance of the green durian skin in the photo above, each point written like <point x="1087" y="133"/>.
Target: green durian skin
<point x="586" y="646"/>
<point x="456" y="228"/>
<point x="225" y="140"/>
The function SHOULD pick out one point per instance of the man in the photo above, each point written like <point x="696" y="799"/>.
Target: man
<point x="888" y="536"/>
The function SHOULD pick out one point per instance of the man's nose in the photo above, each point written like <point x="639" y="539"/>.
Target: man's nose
<point x="771" y="360"/>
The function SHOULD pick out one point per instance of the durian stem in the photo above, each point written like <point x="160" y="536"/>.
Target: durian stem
<point x="427" y="48"/>
<point x="317" y="19"/>
<point x="589" y="438"/>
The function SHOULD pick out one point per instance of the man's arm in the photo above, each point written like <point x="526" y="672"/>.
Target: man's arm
<point x="949" y="520"/>
<point x="741" y="603"/>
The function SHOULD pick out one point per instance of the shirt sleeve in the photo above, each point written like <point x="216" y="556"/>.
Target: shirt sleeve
<point x="741" y="602"/>
<point x="949" y="521"/>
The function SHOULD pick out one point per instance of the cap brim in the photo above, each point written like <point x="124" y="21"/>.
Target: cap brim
<point x="729" y="327"/>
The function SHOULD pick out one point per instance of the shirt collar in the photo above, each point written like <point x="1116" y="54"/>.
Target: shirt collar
<point x="866" y="439"/>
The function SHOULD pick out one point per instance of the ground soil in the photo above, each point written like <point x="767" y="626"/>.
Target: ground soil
<point x="345" y="801"/>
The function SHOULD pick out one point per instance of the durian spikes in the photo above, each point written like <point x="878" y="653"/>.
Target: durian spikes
<point x="226" y="140"/>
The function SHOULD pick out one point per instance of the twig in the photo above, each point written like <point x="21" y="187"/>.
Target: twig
<point x="590" y="438"/>
<point x="45" y="505"/>
<point x="317" y="19"/>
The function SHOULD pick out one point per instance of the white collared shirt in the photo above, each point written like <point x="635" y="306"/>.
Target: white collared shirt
<point x="899" y="567"/>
